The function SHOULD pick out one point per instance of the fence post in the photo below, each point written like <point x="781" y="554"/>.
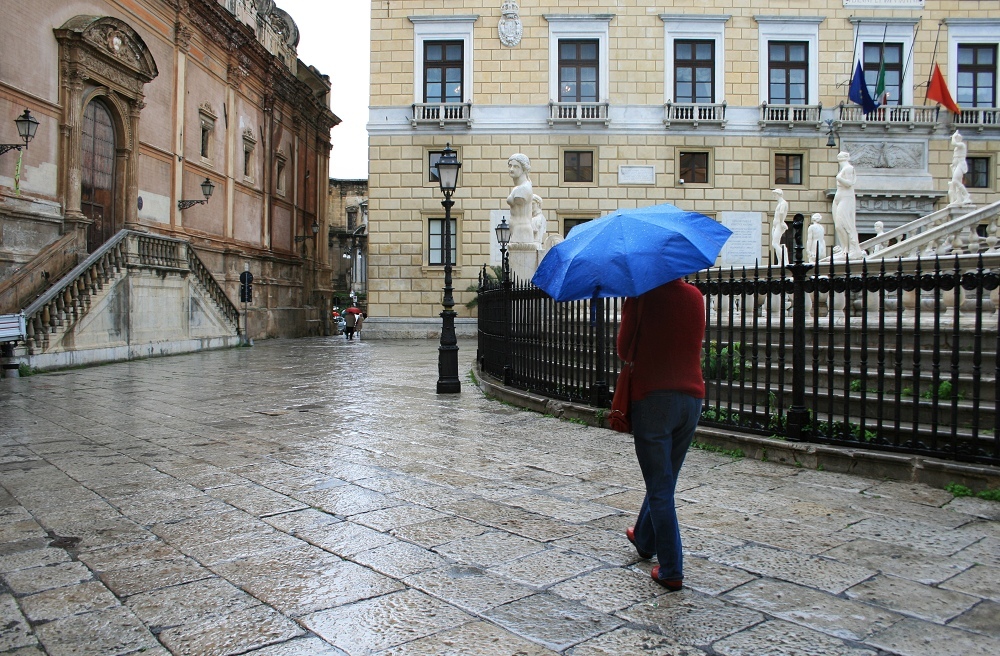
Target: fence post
<point x="599" y="392"/>
<point x="508" y="299"/>
<point x="797" y="415"/>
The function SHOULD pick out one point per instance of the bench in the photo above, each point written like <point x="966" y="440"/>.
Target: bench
<point x="11" y="327"/>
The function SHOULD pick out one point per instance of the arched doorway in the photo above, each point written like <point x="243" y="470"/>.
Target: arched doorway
<point x="97" y="174"/>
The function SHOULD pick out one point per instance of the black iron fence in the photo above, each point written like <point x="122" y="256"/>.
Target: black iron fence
<point x="897" y="356"/>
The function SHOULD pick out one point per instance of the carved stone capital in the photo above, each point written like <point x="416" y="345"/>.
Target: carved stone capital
<point x="182" y="36"/>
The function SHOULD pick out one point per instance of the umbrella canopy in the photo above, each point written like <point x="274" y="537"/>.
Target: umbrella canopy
<point x="630" y="252"/>
<point x="353" y="310"/>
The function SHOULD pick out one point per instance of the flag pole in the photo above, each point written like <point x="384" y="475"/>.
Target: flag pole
<point x="933" y="57"/>
<point x="909" y="58"/>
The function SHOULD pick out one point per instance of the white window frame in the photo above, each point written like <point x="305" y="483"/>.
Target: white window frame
<point x="442" y="28"/>
<point x="788" y="28"/>
<point x="896" y="30"/>
<point x="969" y="31"/>
<point x="579" y="26"/>
<point x="687" y="27"/>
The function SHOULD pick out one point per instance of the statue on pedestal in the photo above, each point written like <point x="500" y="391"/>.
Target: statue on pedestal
<point x="778" y="228"/>
<point x="844" y="211"/>
<point x="519" y="200"/>
<point x="523" y="248"/>
<point x="815" y="239"/>
<point x="958" y="195"/>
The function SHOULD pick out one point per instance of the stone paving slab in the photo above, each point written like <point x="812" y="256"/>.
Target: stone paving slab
<point x="147" y="507"/>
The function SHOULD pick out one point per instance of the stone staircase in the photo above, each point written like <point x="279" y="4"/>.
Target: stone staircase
<point x="138" y="295"/>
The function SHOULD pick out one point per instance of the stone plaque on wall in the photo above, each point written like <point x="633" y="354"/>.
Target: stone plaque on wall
<point x="744" y="247"/>
<point x="636" y="175"/>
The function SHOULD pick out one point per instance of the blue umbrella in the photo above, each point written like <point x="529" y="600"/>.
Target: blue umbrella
<point x="630" y="252"/>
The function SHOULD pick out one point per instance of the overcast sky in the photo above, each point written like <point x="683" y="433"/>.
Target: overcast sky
<point x="334" y="37"/>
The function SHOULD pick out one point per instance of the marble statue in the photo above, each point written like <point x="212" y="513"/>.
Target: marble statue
<point x="815" y="239"/>
<point x="538" y="223"/>
<point x="519" y="200"/>
<point x="879" y="231"/>
<point x="958" y="195"/>
<point x="778" y="227"/>
<point x="844" y="211"/>
<point x="523" y="249"/>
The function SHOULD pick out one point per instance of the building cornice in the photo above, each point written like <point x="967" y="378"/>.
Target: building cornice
<point x="812" y="20"/>
<point x="555" y="18"/>
<point x="695" y="18"/>
<point x="894" y="20"/>
<point x="470" y="18"/>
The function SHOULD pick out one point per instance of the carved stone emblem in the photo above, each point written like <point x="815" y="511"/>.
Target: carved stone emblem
<point x="886" y="155"/>
<point x="510" y="27"/>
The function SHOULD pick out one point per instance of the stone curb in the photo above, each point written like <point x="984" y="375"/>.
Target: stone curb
<point x="880" y="465"/>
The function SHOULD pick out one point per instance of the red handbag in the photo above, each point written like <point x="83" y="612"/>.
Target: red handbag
<point x="619" y="419"/>
<point x="621" y="404"/>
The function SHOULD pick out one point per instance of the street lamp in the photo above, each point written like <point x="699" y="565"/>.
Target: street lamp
<point x="315" y="231"/>
<point x="831" y="141"/>
<point x="27" y="125"/>
<point x="448" y="382"/>
<point x="503" y="237"/>
<point x="206" y="188"/>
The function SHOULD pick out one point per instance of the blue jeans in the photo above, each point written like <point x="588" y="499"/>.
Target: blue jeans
<point x="663" y="424"/>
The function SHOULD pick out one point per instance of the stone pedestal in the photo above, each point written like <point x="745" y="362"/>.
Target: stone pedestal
<point x="523" y="260"/>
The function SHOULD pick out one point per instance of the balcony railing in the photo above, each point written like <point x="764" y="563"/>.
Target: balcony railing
<point x="791" y="116"/>
<point x="979" y="118"/>
<point x="442" y="114"/>
<point x="905" y="116"/>
<point x="578" y="113"/>
<point x="694" y="114"/>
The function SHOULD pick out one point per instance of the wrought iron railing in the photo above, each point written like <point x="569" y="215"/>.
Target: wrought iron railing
<point x="899" y="357"/>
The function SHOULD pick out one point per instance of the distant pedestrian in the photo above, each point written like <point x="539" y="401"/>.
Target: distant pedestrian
<point x="667" y="325"/>
<point x="361" y="321"/>
<point x="351" y="320"/>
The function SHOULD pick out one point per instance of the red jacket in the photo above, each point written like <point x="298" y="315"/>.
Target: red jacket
<point x="669" y="348"/>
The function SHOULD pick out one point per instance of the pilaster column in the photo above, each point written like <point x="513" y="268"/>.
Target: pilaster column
<point x="182" y="38"/>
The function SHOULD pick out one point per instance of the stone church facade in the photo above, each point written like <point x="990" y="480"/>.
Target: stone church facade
<point x="139" y="104"/>
<point x="623" y="104"/>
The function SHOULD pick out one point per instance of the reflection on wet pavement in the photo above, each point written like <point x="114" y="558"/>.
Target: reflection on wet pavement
<point x="317" y="496"/>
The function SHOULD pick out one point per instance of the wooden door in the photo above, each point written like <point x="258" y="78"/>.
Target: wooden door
<point x="98" y="174"/>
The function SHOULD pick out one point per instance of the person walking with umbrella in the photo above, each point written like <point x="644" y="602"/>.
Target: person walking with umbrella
<point x="663" y="329"/>
<point x="642" y="254"/>
<point x="351" y="315"/>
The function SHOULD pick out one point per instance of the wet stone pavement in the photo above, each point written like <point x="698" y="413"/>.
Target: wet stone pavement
<point x="317" y="497"/>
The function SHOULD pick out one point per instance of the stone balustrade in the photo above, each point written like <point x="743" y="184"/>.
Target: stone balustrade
<point x="63" y="304"/>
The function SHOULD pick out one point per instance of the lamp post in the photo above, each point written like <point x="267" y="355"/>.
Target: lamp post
<point x="831" y="141"/>
<point x="315" y="231"/>
<point x="27" y="125"/>
<point x="448" y="382"/>
<point x="503" y="238"/>
<point x="206" y="188"/>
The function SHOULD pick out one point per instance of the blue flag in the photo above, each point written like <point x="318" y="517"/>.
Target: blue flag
<point x="859" y="91"/>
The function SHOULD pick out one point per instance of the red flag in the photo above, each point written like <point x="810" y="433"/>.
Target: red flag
<point x="937" y="91"/>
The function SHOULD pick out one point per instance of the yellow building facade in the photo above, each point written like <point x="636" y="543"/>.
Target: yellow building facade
<point x="628" y="103"/>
